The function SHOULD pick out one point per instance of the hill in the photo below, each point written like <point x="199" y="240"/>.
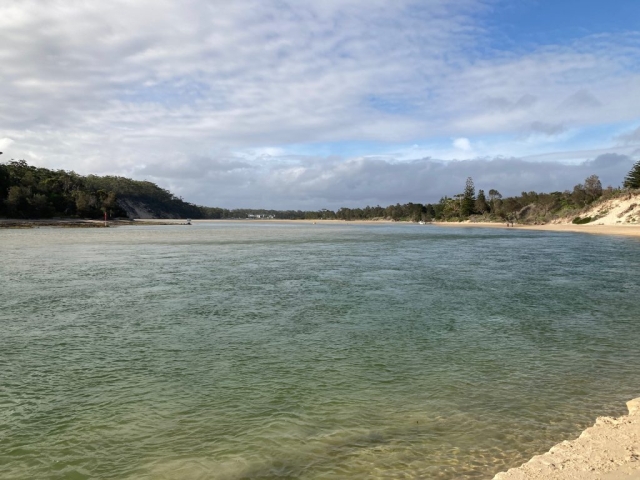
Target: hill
<point x="31" y="192"/>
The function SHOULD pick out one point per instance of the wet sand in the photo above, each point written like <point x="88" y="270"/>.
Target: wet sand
<point x="61" y="223"/>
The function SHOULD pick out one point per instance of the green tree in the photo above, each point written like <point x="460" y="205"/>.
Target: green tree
<point x="5" y="182"/>
<point x="16" y="200"/>
<point x="481" y="202"/>
<point x="593" y="188"/>
<point x="109" y="202"/>
<point x="468" y="202"/>
<point x="547" y="202"/>
<point x="40" y="206"/>
<point x="632" y="180"/>
<point x="579" y="195"/>
<point x="85" y="202"/>
<point x="495" y="198"/>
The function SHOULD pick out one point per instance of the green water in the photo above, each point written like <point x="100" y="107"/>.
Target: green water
<point x="239" y="351"/>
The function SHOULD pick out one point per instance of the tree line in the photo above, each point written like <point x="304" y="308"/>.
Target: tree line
<point x="30" y="192"/>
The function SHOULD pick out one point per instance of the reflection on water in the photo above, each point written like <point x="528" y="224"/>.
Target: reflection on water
<point x="235" y="351"/>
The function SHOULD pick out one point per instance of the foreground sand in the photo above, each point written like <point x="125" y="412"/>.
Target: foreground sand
<point x="626" y="230"/>
<point x="610" y="450"/>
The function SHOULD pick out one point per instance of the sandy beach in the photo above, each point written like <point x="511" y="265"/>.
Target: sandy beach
<point x="610" y="450"/>
<point x="625" y="230"/>
<point x="597" y="229"/>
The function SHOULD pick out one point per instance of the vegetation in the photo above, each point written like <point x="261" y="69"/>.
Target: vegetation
<point x="581" y="221"/>
<point x="30" y="192"/>
<point x="632" y="180"/>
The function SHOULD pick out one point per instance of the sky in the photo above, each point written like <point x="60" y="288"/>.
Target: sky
<point x="295" y="104"/>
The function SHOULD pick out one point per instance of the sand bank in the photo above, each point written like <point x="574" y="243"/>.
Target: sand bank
<point x="276" y="220"/>
<point x="610" y="450"/>
<point x="50" y="222"/>
<point x="626" y="230"/>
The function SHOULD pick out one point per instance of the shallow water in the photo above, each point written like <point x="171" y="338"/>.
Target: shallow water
<point x="238" y="350"/>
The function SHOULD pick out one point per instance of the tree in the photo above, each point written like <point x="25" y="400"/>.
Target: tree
<point x="494" y="194"/>
<point x="468" y="202"/>
<point x="109" y="202"/>
<point x="593" y="188"/>
<point x="548" y="202"/>
<point x="632" y="180"/>
<point x="494" y="200"/>
<point x="85" y="202"/>
<point x="16" y="200"/>
<point x="40" y="206"/>
<point x="481" y="202"/>
<point x="579" y="195"/>
<point x="5" y="182"/>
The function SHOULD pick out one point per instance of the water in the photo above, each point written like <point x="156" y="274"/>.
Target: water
<point x="238" y="350"/>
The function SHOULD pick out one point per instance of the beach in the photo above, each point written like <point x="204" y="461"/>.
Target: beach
<point x="624" y="230"/>
<point x="596" y="229"/>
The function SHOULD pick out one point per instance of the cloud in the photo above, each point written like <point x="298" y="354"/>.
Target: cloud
<point x="462" y="144"/>
<point x="581" y="100"/>
<point x="547" y="128"/>
<point x="5" y="142"/>
<point x="331" y="182"/>
<point x="632" y="137"/>
<point x="211" y="92"/>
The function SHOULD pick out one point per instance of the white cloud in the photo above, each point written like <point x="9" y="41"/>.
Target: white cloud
<point x="462" y="144"/>
<point x="158" y="85"/>
<point x="5" y="142"/>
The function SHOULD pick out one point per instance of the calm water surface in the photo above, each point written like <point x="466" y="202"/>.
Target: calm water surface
<point x="237" y="350"/>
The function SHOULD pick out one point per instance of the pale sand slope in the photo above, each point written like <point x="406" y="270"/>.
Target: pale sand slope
<point x="610" y="450"/>
<point x="623" y="210"/>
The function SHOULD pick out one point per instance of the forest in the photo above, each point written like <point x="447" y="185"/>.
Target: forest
<point x="27" y="191"/>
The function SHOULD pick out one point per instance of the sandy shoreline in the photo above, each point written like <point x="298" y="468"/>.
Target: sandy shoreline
<point x="280" y="221"/>
<point x="610" y="450"/>
<point x="624" y="230"/>
<point x="84" y="223"/>
<point x="60" y="223"/>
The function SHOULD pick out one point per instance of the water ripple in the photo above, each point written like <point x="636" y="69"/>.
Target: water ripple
<point x="236" y="351"/>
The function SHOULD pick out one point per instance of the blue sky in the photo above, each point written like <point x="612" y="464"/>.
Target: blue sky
<point x="528" y="23"/>
<point x="299" y="104"/>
